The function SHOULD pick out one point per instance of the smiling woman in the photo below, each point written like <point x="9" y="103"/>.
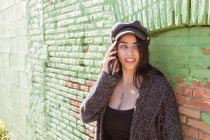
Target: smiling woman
<point x="132" y="100"/>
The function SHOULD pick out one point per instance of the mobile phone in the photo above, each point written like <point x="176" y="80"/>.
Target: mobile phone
<point x="111" y="63"/>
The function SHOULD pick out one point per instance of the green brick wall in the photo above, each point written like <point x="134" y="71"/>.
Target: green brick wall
<point x="65" y="43"/>
<point x="68" y="40"/>
<point x="181" y="54"/>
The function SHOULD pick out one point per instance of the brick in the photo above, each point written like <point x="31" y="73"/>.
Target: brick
<point x="69" y="84"/>
<point x="90" y="133"/>
<point x="198" y="124"/>
<point x="203" y="94"/>
<point x="84" y="88"/>
<point x="187" y="137"/>
<point x="190" y="131"/>
<point x="206" y="51"/>
<point x="207" y="85"/>
<point x="74" y="102"/>
<point x="76" y="86"/>
<point x="179" y="81"/>
<point x="196" y="84"/>
<point x="183" y="90"/>
<point x="77" y="115"/>
<point x="204" y="136"/>
<point x="189" y="112"/>
<point x="183" y="118"/>
<point x="193" y="102"/>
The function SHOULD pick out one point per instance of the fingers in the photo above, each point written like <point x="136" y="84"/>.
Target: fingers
<point x="111" y="53"/>
<point x="112" y="47"/>
<point x="106" y="63"/>
<point x="115" y="67"/>
<point x="110" y="58"/>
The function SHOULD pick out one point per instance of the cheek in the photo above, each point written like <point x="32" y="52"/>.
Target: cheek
<point x="120" y="55"/>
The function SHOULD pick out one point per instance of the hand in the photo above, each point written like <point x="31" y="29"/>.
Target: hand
<point x="110" y="55"/>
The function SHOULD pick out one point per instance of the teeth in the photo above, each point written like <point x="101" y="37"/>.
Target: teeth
<point x="130" y="59"/>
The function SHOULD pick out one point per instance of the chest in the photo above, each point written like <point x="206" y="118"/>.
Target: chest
<point x="123" y="99"/>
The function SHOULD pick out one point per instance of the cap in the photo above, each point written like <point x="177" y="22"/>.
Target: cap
<point x="134" y="27"/>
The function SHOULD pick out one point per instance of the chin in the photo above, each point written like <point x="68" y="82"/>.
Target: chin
<point x="129" y="68"/>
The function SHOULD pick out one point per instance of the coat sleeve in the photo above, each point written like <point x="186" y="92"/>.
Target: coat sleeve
<point x="171" y="129"/>
<point x="97" y="98"/>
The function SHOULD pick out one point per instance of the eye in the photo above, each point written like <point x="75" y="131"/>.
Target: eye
<point x="123" y="46"/>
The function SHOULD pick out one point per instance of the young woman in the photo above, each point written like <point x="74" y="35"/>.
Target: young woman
<point x="132" y="101"/>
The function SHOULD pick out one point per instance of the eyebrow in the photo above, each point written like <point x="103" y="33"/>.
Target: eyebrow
<point x="127" y="42"/>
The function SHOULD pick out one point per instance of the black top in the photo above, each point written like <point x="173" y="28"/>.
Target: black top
<point x="117" y="124"/>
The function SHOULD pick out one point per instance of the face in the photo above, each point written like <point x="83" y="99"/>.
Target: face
<point x="127" y="52"/>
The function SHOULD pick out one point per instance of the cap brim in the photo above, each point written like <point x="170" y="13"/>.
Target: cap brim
<point x="131" y="31"/>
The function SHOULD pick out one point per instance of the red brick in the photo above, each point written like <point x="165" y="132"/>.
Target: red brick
<point x="183" y="119"/>
<point x="76" y="86"/>
<point x="77" y="115"/>
<point x="179" y="81"/>
<point x="189" y="112"/>
<point x="77" y="109"/>
<point x="90" y="133"/>
<point x="84" y="88"/>
<point x="198" y="124"/>
<point x="90" y="83"/>
<point x="204" y="136"/>
<point x="190" y="131"/>
<point x="183" y="90"/>
<point x="198" y="103"/>
<point x="208" y="85"/>
<point x="74" y="102"/>
<point x="197" y="84"/>
<point x="206" y="51"/>
<point x="186" y="137"/>
<point x="201" y="94"/>
<point x="69" y="84"/>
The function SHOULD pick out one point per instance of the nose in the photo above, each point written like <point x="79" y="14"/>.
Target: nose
<point x="130" y="51"/>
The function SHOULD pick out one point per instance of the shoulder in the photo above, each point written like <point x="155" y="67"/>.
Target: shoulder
<point x="157" y="79"/>
<point x="158" y="82"/>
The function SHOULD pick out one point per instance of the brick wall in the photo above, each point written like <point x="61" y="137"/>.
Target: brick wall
<point x="67" y="40"/>
<point x="182" y="55"/>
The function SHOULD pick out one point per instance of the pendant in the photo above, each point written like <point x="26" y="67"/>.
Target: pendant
<point x="122" y="96"/>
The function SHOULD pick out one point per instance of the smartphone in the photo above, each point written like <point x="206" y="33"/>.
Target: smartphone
<point x="111" y="63"/>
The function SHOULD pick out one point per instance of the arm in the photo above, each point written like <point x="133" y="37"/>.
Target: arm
<point x="97" y="98"/>
<point x="171" y="126"/>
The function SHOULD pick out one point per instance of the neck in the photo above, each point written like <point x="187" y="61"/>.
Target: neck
<point x="127" y="78"/>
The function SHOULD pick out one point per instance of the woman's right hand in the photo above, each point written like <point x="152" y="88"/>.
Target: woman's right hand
<point x="110" y="55"/>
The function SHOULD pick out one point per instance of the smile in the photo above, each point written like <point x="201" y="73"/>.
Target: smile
<point x="130" y="60"/>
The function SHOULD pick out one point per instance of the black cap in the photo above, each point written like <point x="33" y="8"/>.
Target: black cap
<point x="134" y="27"/>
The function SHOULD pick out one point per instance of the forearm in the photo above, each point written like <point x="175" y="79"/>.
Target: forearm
<point x="98" y="97"/>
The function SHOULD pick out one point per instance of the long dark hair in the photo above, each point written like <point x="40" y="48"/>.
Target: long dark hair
<point x="144" y="68"/>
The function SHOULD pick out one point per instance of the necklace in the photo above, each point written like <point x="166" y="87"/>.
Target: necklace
<point x="122" y="94"/>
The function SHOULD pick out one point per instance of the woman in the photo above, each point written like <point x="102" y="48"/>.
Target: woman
<point x="132" y="101"/>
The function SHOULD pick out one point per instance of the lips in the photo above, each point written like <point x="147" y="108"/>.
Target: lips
<point x="130" y="60"/>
